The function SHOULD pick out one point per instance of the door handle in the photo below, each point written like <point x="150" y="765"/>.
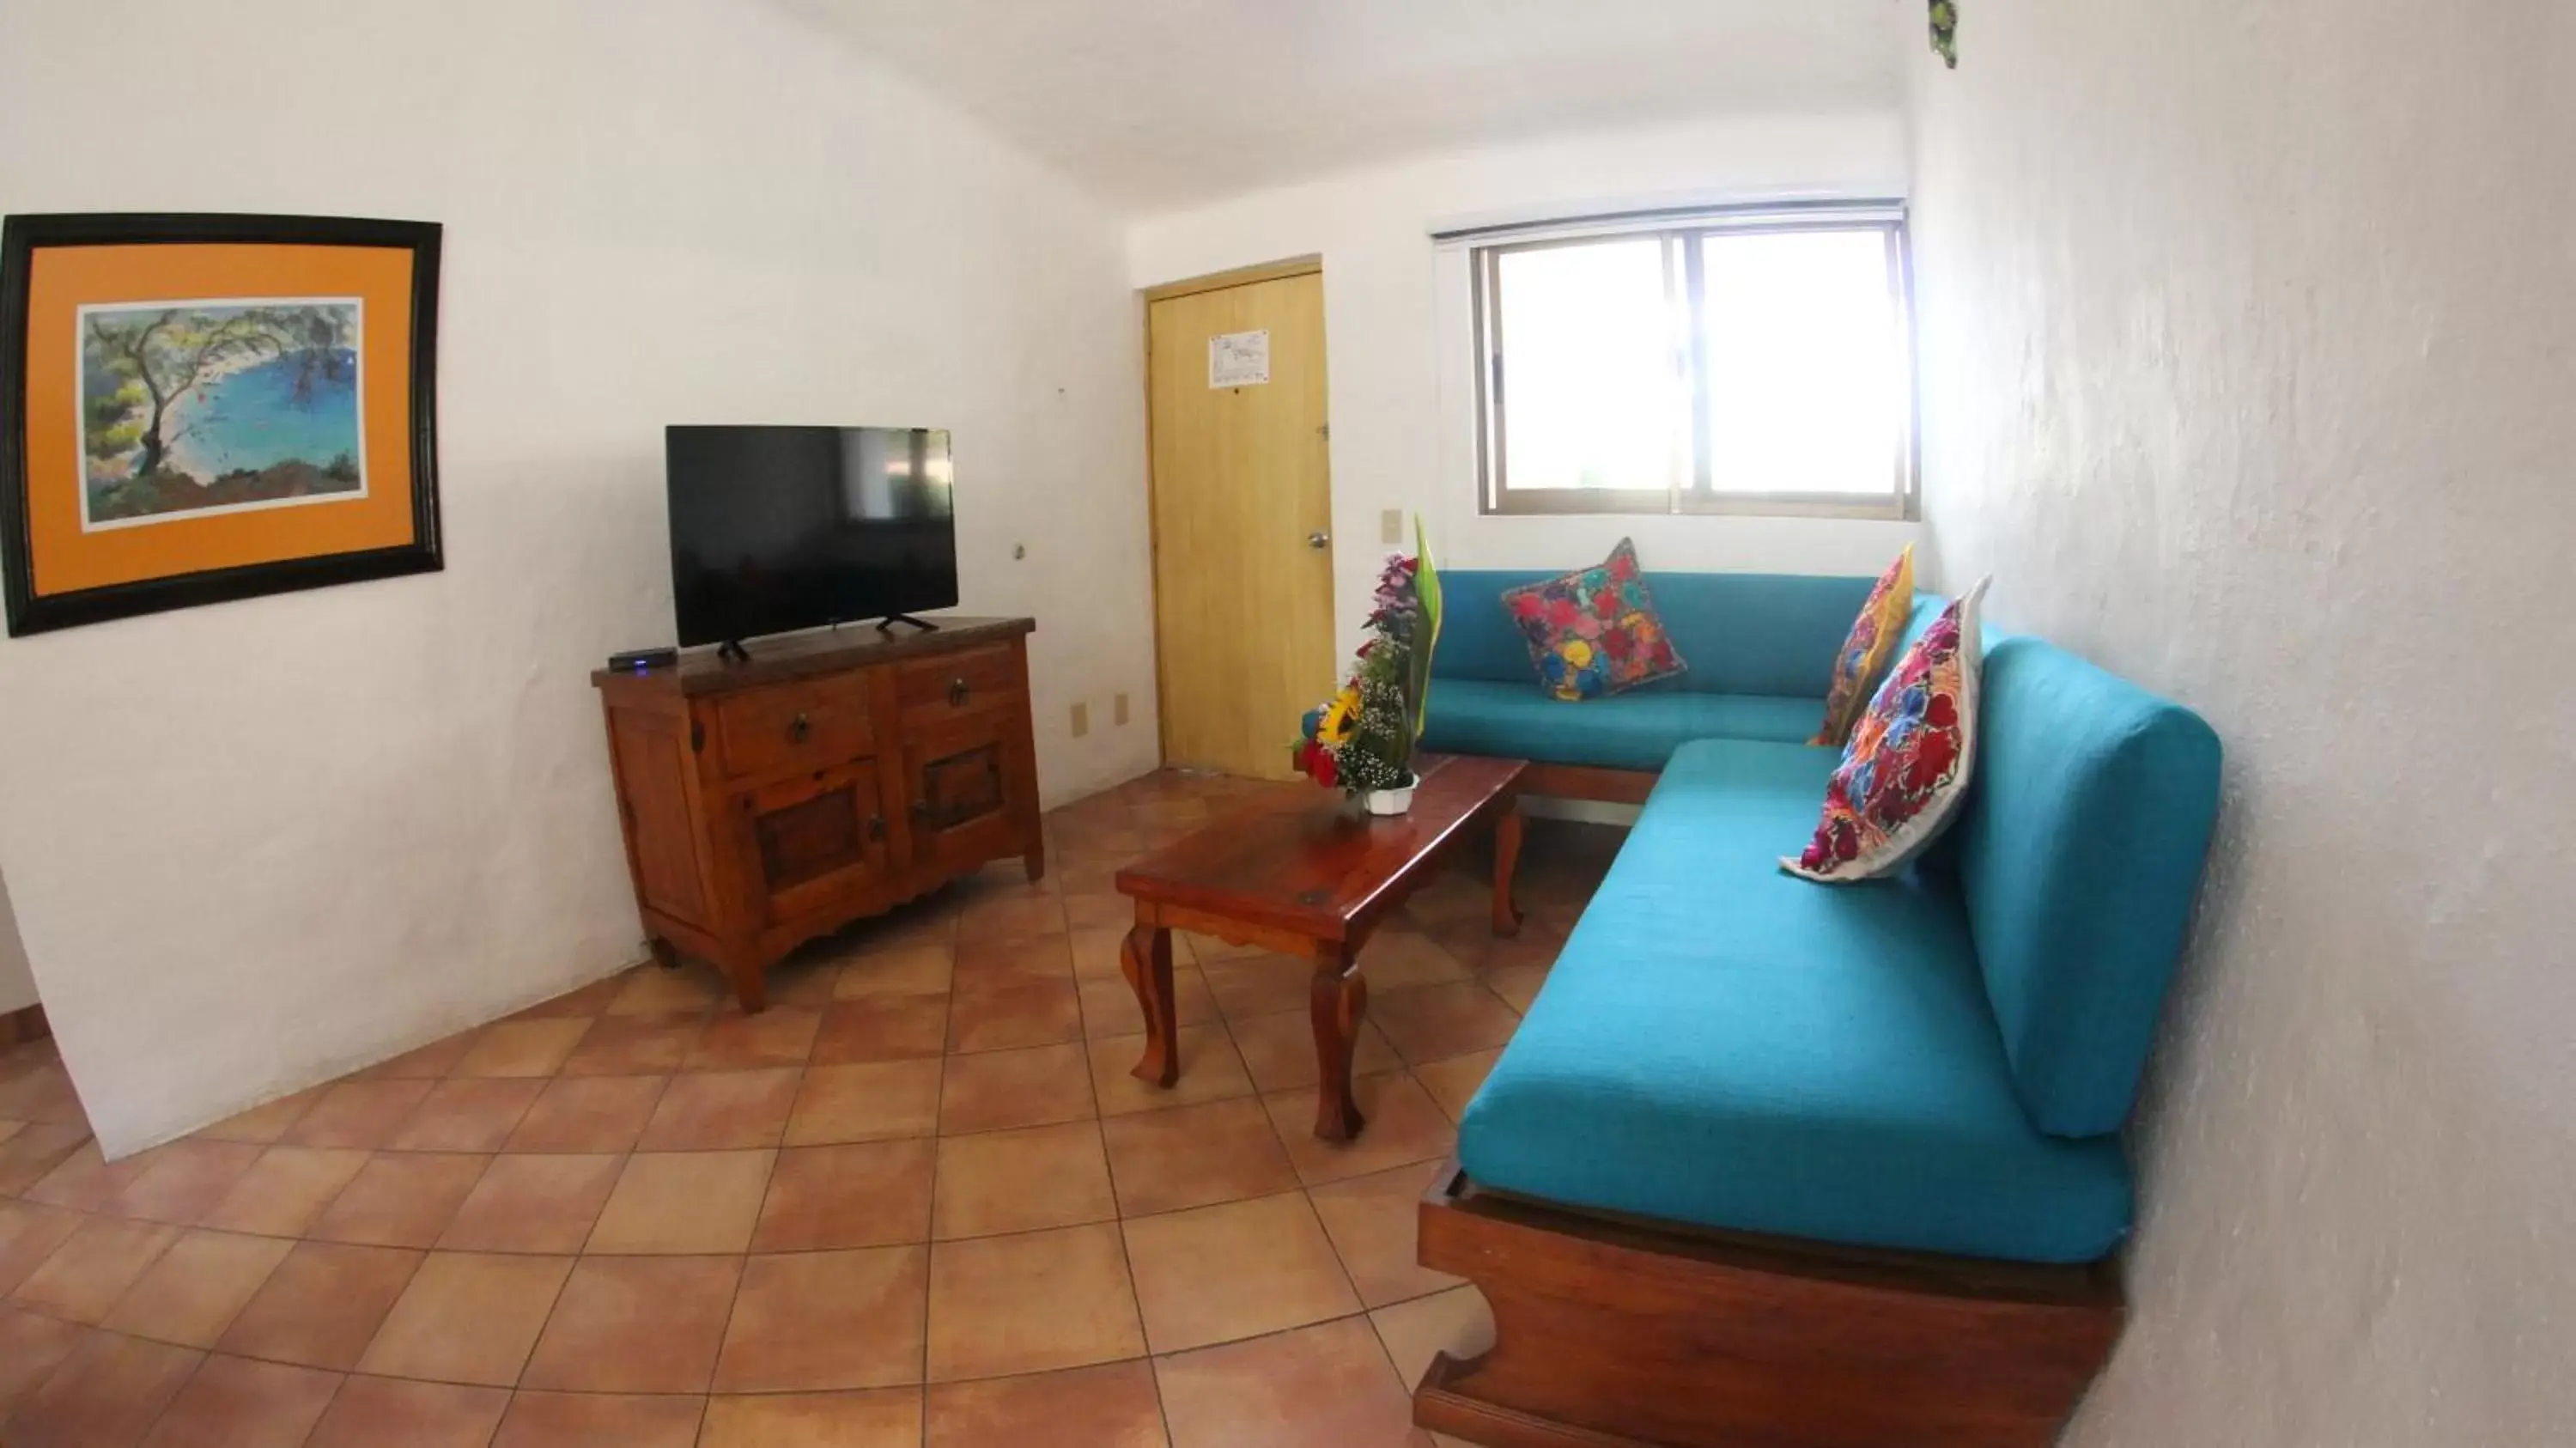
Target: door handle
<point x="1319" y="539"/>
<point x="876" y="827"/>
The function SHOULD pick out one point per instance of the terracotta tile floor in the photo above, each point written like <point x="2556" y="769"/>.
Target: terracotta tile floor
<point x="918" y="1200"/>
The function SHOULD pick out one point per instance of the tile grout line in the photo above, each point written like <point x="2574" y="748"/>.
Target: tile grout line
<point x="930" y="1223"/>
<point x="666" y="1078"/>
<point x="1126" y="1258"/>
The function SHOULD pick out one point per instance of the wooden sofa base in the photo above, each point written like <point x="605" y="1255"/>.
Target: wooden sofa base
<point x="1612" y="1333"/>
<point x="1586" y="781"/>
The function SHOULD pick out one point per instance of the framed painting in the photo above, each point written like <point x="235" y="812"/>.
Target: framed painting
<point x="195" y="409"/>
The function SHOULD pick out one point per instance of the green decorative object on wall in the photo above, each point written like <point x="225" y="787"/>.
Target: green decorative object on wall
<point x="1945" y="32"/>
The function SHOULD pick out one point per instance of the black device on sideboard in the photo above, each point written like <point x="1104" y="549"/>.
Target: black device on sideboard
<point x="636" y="661"/>
<point x="778" y="529"/>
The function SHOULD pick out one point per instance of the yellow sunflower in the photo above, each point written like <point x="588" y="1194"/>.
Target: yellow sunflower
<point x="1340" y="717"/>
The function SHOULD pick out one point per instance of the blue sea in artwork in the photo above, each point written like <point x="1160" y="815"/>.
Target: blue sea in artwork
<point x="283" y="410"/>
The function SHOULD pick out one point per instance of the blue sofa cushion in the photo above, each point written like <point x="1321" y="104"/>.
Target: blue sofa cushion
<point x="1768" y="634"/>
<point x="1637" y="730"/>
<point x="2078" y="852"/>
<point x="1727" y="1045"/>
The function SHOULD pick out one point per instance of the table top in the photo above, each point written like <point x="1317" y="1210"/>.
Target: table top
<point x="1323" y="870"/>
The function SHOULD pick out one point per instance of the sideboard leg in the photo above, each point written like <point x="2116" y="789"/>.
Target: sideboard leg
<point x="1035" y="860"/>
<point x="750" y="986"/>
<point x="1337" y="1001"/>
<point x="664" y="955"/>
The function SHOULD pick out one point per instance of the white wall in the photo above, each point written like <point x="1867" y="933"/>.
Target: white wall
<point x="17" y="981"/>
<point x="256" y="845"/>
<point x="2249" y="338"/>
<point x="1395" y="318"/>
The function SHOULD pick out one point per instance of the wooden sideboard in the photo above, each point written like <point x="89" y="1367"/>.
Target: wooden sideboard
<point x="832" y="777"/>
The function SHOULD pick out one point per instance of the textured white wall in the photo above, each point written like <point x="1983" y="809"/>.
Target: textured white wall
<point x="2249" y="341"/>
<point x="256" y="845"/>
<point x="17" y="982"/>
<point x="1401" y="352"/>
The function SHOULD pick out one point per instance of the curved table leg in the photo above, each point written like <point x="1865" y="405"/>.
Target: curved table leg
<point x="1146" y="960"/>
<point x="1337" y="1001"/>
<point x="1507" y="862"/>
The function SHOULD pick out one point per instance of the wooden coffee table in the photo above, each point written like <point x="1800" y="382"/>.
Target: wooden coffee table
<point x="1313" y="883"/>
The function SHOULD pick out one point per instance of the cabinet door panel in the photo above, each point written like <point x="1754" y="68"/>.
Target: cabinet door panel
<point x="815" y="842"/>
<point x="961" y="778"/>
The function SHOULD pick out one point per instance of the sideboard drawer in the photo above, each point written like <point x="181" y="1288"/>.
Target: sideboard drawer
<point x="809" y="725"/>
<point x="956" y="684"/>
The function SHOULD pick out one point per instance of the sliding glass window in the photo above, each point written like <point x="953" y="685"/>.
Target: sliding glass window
<point x="1760" y="363"/>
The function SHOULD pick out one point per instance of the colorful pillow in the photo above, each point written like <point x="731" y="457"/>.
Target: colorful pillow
<point x="1868" y="649"/>
<point x="1908" y="763"/>
<point x="1594" y="632"/>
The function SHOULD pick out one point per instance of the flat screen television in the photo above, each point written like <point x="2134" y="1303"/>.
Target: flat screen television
<point x="775" y="529"/>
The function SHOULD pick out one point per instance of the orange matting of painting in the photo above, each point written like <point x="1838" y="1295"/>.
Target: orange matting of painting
<point x="67" y="559"/>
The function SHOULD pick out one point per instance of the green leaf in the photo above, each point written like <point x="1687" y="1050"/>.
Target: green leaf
<point x="1426" y="588"/>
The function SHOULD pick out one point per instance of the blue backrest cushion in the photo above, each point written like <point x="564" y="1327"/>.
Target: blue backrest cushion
<point x="2078" y="853"/>
<point x="1740" y="633"/>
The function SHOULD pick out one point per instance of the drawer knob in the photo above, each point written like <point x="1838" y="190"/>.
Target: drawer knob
<point x="956" y="693"/>
<point x="799" y="729"/>
<point x="876" y="827"/>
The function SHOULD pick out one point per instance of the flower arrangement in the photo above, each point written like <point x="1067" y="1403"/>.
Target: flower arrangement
<point x="1361" y="740"/>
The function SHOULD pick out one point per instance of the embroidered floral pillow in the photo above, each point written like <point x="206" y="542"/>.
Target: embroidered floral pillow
<point x="1595" y="632"/>
<point x="1908" y="763"/>
<point x="1868" y="650"/>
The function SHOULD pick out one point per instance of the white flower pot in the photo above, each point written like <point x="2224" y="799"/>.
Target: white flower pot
<point x="1390" y="801"/>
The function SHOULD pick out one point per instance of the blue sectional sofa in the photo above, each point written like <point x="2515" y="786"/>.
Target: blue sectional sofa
<point x="1760" y="648"/>
<point x="1929" y="1071"/>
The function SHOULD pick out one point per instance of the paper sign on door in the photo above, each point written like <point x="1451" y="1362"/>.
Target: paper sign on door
<point x="1238" y="359"/>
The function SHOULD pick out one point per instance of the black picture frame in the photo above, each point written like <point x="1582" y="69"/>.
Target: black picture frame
<point x="22" y="236"/>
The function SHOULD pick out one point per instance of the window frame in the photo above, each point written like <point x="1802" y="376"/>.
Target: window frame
<point x="1690" y="491"/>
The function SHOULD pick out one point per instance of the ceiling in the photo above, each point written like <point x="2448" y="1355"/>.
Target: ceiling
<point x="1162" y="103"/>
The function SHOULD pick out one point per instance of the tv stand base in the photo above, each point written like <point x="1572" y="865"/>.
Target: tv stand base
<point x="749" y="795"/>
<point x="732" y="652"/>
<point x="887" y="623"/>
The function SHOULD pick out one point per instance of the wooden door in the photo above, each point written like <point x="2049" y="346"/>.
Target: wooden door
<point x="1243" y="559"/>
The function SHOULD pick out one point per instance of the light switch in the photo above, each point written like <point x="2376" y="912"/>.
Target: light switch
<point x="1081" y="720"/>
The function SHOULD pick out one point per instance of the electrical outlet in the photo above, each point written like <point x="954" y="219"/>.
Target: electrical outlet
<point x="1390" y="527"/>
<point x="1118" y="709"/>
<point x="1081" y="720"/>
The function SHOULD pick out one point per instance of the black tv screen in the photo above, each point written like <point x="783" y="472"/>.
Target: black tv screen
<point x="782" y="528"/>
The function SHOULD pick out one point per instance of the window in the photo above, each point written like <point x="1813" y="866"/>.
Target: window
<point x="1753" y="363"/>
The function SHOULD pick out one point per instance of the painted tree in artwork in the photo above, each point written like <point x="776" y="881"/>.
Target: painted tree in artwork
<point x="157" y="357"/>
